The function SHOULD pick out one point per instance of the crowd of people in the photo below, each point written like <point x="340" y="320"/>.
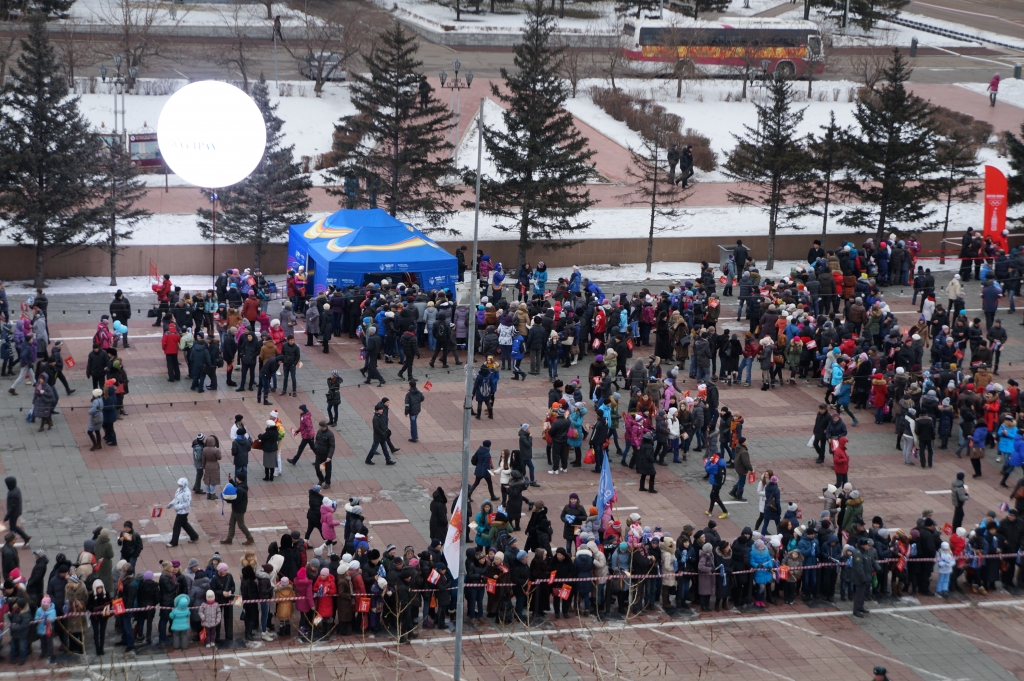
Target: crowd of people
<point x="932" y="377"/>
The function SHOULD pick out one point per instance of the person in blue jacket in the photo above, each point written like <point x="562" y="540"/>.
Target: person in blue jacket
<point x="518" y="353"/>
<point x="1015" y="457"/>
<point x="762" y="563"/>
<point x="575" y="279"/>
<point x="484" y="388"/>
<point x="540" y="279"/>
<point x="482" y="468"/>
<point x="808" y="548"/>
<point x="978" y="438"/>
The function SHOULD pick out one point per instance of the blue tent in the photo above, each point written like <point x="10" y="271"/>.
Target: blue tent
<point x="353" y="247"/>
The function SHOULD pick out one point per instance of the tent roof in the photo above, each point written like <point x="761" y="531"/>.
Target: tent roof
<point x="369" y="237"/>
<point x="346" y="221"/>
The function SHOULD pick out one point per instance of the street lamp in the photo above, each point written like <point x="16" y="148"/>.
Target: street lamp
<point x="456" y="84"/>
<point x="120" y="85"/>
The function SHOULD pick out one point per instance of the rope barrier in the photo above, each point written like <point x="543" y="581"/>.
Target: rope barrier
<point x="551" y="581"/>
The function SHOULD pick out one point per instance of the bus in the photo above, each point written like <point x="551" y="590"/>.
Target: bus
<point x="773" y="46"/>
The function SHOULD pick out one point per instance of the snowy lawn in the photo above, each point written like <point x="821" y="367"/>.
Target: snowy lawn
<point x="191" y="14"/>
<point x="1010" y="91"/>
<point x="308" y="120"/>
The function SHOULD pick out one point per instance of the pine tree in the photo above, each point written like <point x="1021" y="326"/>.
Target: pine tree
<point x="771" y="159"/>
<point x="397" y="144"/>
<point x="892" y="156"/>
<point x="649" y="167"/>
<point x="120" y="215"/>
<point x="259" y="209"/>
<point x="542" y="161"/>
<point x="868" y="12"/>
<point x="826" y="157"/>
<point x="1015" y="180"/>
<point x="50" y="192"/>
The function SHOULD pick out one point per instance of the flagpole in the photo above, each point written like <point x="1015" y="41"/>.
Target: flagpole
<point x="460" y="608"/>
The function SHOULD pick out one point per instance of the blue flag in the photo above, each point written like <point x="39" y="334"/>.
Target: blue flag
<point x="605" y="492"/>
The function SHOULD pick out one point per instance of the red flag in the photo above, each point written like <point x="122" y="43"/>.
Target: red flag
<point x="427" y="386"/>
<point x="69" y="362"/>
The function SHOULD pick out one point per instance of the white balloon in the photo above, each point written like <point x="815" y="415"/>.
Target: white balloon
<point x="211" y="134"/>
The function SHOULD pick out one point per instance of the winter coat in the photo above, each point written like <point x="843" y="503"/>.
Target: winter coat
<point x="180" y="614"/>
<point x="706" y="574"/>
<point x="328" y="523"/>
<point x="211" y="465"/>
<point x="439" y="515"/>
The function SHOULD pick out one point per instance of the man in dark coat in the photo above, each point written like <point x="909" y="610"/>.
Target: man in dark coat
<point x="439" y="515"/>
<point x="380" y="437"/>
<point x="374" y="341"/>
<point x="121" y="311"/>
<point x="14" y="508"/>
<point x="323" y="449"/>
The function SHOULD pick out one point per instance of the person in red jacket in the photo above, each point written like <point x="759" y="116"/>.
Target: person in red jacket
<point x="304" y="604"/>
<point x="251" y="308"/>
<point x="163" y="296"/>
<point x="324" y="591"/>
<point x="169" y="343"/>
<point x="841" y="461"/>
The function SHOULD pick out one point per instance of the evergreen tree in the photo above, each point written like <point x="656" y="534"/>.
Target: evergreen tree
<point x="709" y="6"/>
<point x="259" y="209"/>
<point x="649" y="167"/>
<point x="50" y="191"/>
<point x="771" y="160"/>
<point x="867" y="12"/>
<point x="892" y="155"/>
<point x="397" y="145"/>
<point x="542" y="161"/>
<point x="1015" y="180"/>
<point x="120" y="215"/>
<point x="826" y="157"/>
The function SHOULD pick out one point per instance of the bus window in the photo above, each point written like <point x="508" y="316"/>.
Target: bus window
<point x="629" y="29"/>
<point x="814" y="48"/>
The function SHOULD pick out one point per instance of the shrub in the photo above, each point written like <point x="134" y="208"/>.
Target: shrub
<point x="643" y="116"/>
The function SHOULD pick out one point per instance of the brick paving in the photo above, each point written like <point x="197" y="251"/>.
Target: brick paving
<point x="69" y="490"/>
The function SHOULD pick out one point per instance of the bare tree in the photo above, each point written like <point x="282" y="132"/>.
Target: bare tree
<point x="654" y="180"/>
<point x="576" y="63"/>
<point x="331" y="39"/>
<point x="74" y="48"/>
<point x="238" y="53"/>
<point x="611" y="61"/>
<point x="134" y="35"/>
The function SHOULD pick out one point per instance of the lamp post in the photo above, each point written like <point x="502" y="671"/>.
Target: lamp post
<point x="120" y="85"/>
<point x="457" y="84"/>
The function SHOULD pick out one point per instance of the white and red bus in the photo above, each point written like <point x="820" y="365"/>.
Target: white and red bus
<point x="788" y="47"/>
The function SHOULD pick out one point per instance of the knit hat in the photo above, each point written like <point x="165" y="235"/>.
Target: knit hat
<point x="147" y="575"/>
<point x="354" y="566"/>
<point x="210" y="596"/>
<point x="97" y="393"/>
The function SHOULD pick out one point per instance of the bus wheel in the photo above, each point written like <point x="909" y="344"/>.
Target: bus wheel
<point x="785" y="69"/>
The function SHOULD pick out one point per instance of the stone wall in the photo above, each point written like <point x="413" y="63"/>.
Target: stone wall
<point x="19" y="261"/>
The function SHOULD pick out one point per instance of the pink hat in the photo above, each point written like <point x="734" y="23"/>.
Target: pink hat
<point x="324" y="572"/>
<point x="222" y="567"/>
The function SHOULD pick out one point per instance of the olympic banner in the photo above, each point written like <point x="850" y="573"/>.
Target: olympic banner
<point x="995" y="206"/>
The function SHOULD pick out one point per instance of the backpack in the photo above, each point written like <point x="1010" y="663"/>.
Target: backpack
<point x="197" y="454"/>
<point x="474" y="459"/>
<point x="485" y="388"/>
<point x="503" y="540"/>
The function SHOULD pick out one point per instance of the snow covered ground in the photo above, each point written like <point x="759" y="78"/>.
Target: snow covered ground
<point x="308" y="120"/>
<point x="191" y="14"/>
<point x="437" y="17"/>
<point x="1010" y="91"/>
<point x="606" y="223"/>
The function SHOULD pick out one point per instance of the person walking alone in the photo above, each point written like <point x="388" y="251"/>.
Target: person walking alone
<point x="380" y="437"/>
<point x="323" y="447"/>
<point x="239" y="505"/>
<point x="182" y="505"/>
<point x="413" y="405"/>
<point x="305" y="432"/>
